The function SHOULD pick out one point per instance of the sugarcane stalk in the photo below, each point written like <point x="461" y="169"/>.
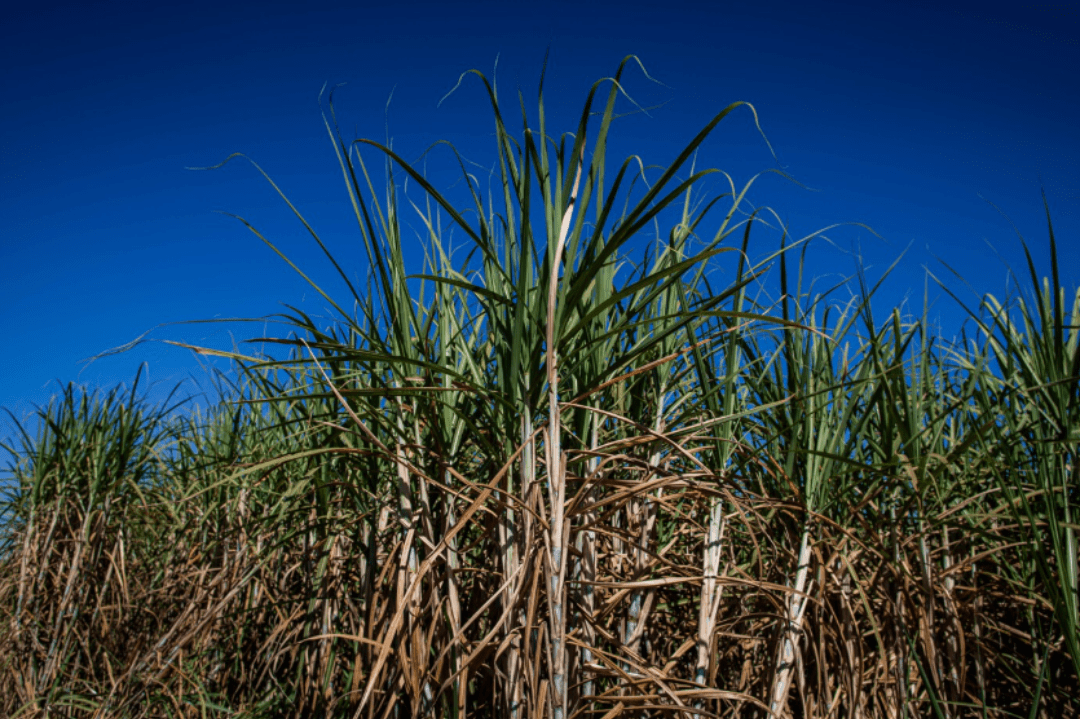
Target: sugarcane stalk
<point x="795" y="604"/>
<point x="557" y="481"/>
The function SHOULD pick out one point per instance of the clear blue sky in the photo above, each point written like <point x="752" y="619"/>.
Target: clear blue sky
<point x="906" y="117"/>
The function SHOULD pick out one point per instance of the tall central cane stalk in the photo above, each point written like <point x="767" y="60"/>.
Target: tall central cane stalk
<point x="557" y="478"/>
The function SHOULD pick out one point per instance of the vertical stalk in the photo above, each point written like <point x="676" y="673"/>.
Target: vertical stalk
<point x="899" y="650"/>
<point x="510" y="539"/>
<point x="586" y="547"/>
<point x="952" y="651"/>
<point x="410" y="564"/>
<point x="638" y="612"/>
<point x="976" y="630"/>
<point x="711" y="594"/>
<point x="710" y="591"/>
<point x="792" y="631"/>
<point x="453" y="566"/>
<point x="557" y="479"/>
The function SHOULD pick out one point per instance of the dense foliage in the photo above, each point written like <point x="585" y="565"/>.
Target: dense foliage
<point x="557" y="478"/>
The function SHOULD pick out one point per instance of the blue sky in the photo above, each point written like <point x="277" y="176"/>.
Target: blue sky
<point x="909" y="118"/>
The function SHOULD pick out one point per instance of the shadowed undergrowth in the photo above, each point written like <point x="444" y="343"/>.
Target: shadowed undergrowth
<point x="566" y="476"/>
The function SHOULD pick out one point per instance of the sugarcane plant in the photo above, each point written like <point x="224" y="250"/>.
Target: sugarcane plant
<point x="556" y="469"/>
